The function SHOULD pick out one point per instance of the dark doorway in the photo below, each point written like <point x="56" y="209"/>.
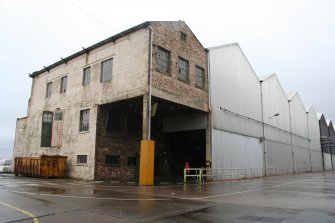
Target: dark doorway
<point x="187" y="146"/>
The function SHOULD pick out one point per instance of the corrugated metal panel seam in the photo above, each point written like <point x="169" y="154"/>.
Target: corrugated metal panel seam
<point x="265" y="124"/>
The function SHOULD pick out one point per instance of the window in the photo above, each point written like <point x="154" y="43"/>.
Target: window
<point x="163" y="60"/>
<point x="63" y="83"/>
<point x="183" y="36"/>
<point x="49" y="89"/>
<point x="183" y="69"/>
<point x="132" y="161"/>
<point x="81" y="159"/>
<point x="106" y="70"/>
<point x="46" y="129"/>
<point x="199" y="77"/>
<point x="113" y="161"/>
<point x="86" y="76"/>
<point x="114" y="122"/>
<point x="134" y="124"/>
<point x="58" y="116"/>
<point x="84" y="120"/>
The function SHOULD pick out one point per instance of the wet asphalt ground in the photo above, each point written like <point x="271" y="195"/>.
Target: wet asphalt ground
<point x="281" y="199"/>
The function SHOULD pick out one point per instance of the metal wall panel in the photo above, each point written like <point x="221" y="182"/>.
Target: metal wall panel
<point x="185" y="123"/>
<point x="323" y="126"/>
<point x="275" y="102"/>
<point x="279" y="157"/>
<point x="299" y="124"/>
<point x="314" y="130"/>
<point x="302" y="160"/>
<point x="317" y="163"/>
<point x="234" y="87"/>
<point x="327" y="161"/>
<point x="233" y="151"/>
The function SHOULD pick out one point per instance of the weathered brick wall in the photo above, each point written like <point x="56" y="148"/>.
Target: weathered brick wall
<point x="168" y="36"/>
<point x="113" y="144"/>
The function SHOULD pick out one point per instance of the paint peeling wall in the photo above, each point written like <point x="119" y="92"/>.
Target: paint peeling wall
<point x="129" y="79"/>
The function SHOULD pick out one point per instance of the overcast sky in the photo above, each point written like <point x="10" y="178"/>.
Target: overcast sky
<point x="293" y="38"/>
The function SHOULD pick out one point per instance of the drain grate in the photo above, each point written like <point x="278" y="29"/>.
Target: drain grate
<point x="260" y="219"/>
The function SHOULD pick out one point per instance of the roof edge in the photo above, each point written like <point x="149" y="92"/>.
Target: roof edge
<point x="90" y="48"/>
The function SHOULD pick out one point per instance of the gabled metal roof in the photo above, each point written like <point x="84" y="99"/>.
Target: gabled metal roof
<point x="291" y="95"/>
<point x="265" y="77"/>
<point x="319" y="115"/>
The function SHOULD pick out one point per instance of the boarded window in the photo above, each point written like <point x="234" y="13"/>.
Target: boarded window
<point x="87" y="76"/>
<point x="49" y="89"/>
<point x="63" y="84"/>
<point x="81" y="159"/>
<point x="57" y="129"/>
<point x="46" y="129"/>
<point x="163" y="60"/>
<point x="114" y="122"/>
<point x="58" y="116"/>
<point x="111" y="160"/>
<point x="106" y="70"/>
<point x="199" y="77"/>
<point x="84" y="124"/>
<point x="183" y="69"/>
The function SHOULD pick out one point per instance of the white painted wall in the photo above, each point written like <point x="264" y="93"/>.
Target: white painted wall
<point x="130" y="72"/>
<point x="236" y="111"/>
<point x="233" y="151"/>
<point x="314" y="136"/>
<point x="235" y="87"/>
<point x="299" y="128"/>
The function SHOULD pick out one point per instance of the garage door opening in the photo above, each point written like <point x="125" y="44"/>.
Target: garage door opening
<point x="187" y="146"/>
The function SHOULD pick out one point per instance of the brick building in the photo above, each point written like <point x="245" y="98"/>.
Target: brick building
<point x="96" y="105"/>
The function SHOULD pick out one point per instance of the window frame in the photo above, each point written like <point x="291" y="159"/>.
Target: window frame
<point x="43" y="128"/>
<point x="111" y="159"/>
<point x="163" y="68"/>
<point x="186" y="69"/>
<point x="48" y="90"/>
<point x="63" y="84"/>
<point x="87" y="122"/>
<point x="86" y="76"/>
<point x="81" y="159"/>
<point x="102" y="77"/>
<point x="203" y="77"/>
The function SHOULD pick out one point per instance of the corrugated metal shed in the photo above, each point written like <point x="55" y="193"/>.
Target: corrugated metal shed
<point x="236" y="110"/>
<point x="277" y="125"/>
<point x="314" y="136"/>
<point x="299" y="128"/>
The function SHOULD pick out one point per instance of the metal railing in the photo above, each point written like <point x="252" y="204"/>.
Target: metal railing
<point x="196" y="173"/>
<point x="213" y="174"/>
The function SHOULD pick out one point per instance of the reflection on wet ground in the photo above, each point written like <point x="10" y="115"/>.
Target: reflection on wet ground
<point x="290" y="198"/>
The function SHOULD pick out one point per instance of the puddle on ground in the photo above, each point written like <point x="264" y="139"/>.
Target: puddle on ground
<point x="51" y="190"/>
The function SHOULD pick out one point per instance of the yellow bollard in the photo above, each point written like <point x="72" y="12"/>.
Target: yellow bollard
<point x="147" y="156"/>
